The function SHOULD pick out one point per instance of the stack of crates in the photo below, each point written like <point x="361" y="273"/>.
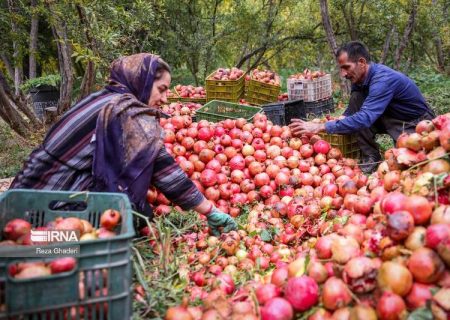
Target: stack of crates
<point x="224" y="90"/>
<point x="316" y="93"/>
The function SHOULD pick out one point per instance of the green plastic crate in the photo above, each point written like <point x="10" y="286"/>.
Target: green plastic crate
<point x="104" y="264"/>
<point x="215" y="111"/>
<point x="225" y="90"/>
<point x="348" y="144"/>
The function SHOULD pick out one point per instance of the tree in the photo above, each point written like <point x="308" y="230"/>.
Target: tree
<point x="406" y="34"/>
<point x="33" y="40"/>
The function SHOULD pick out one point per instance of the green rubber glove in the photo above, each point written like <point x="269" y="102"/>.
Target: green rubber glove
<point x="218" y="219"/>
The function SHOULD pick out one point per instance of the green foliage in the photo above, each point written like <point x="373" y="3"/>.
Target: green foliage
<point x="435" y="87"/>
<point x="52" y="80"/>
<point x="13" y="151"/>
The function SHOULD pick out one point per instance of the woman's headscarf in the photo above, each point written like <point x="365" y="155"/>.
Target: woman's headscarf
<point x="128" y="134"/>
<point x="134" y="74"/>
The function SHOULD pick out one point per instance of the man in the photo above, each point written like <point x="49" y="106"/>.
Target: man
<point x="382" y="101"/>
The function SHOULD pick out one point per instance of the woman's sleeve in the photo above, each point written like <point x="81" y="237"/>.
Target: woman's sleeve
<point x="173" y="182"/>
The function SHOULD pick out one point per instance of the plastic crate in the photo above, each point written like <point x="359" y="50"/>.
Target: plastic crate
<point x="318" y="108"/>
<point x="282" y="112"/>
<point x="309" y="90"/>
<point x="261" y="93"/>
<point x="215" y="111"/>
<point x="104" y="265"/>
<point x="225" y="90"/>
<point x="174" y="97"/>
<point x="185" y="100"/>
<point x="348" y="144"/>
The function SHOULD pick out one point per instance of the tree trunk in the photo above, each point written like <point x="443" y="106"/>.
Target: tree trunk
<point x="209" y="56"/>
<point x="345" y="88"/>
<point x="349" y="20"/>
<point x="438" y="45"/>
<point x="33" y="40"/>
<point x="19" y="104"/>
<point x="59" y="30"/>
<point x="89" y="74"/>
<point x="16" y="50"/>
<point x="88" y="80"/>
<point x="327" y="26"/>
<point x="406" y="35"/>
<point x="8" y="65"/>
<point x="387" y="44"/>
<point x="9" y="112"/>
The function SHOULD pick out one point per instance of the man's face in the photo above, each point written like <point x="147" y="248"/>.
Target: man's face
<point x="353" y="71"/>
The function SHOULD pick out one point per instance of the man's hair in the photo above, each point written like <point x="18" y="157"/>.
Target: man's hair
<point x="355" y="50"/>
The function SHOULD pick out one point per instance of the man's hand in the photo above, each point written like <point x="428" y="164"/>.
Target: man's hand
<point x="299" y="127"/>
<point x="218" y="219"/>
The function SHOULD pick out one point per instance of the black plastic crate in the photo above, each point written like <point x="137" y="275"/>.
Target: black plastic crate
<point x="282" y="112"/>
<point x="318" y="108"/>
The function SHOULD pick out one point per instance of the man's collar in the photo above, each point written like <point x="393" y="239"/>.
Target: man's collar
<point x="369" y="74"/>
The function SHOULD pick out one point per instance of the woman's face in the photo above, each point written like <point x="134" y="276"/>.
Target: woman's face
<point x="158" y="95"/>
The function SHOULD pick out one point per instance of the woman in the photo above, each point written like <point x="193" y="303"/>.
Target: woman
<point x="112" y="142"/>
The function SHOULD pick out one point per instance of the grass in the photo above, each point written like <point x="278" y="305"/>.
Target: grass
<point x="13" y="151"/>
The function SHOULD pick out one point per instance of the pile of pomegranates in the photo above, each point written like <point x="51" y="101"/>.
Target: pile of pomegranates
<point x="308" y="75"/>
<point x="190" y="91"/>
<point x="28" y="270"/>
<point x="181" y="109"/>
<point x="317" y="238"/>
<point x="18" y="231"/>
<point x="265" y="76"/>
<point x="227" y="74"/>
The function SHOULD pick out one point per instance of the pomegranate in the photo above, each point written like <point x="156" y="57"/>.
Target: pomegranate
<point x="343" y="249"/>
<point x="395" y="277"/>
<point x="425" y="265"/>
<point x="360" y="274"/>
<point x="62" y="264"/>
<point x="16" y="228"/>
<point x="33" y="271"/>
<point x="437" y="234"/>
<point x="73" y="223"/>
<point x="400" y="224"/>
<point x="360" y="312"/>
<point x="178" y="313"/>
<point x="424" y="126"/>
<point x="317" y="271"/>
<point x="441" y="215"/>
<point x="302" y="292"/>
<point x="394" y="201"/>
<point x="440" y="306"/>
<point x="279" y="277"/>
<point x="391" y="307"/>
<point x="277" y="309"/>
<point x="419" y="295"/>
<point x="321" y="146"/>
<point x="265" y="292"/>
<point x="335" y="294"/>
<point x="416" y="239"/>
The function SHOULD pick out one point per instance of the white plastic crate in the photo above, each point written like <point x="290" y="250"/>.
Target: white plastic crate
<point x="309" y="90"/>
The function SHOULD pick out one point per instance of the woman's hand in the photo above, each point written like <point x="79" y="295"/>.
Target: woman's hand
<point x="217" y="219"/>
